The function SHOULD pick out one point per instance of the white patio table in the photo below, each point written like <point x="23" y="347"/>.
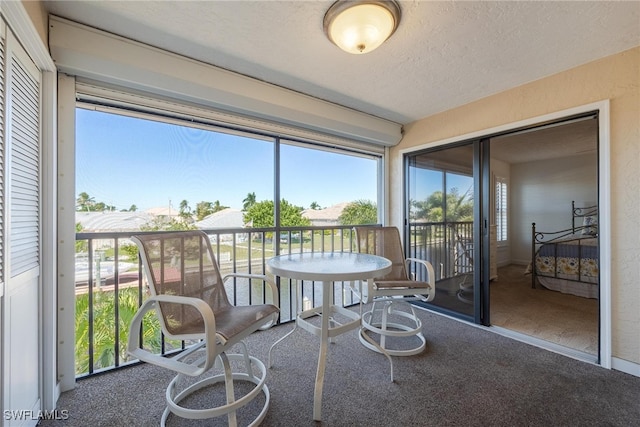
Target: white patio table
<point x="326" y="267"/>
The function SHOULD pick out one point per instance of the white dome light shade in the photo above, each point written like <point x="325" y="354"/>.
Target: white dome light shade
<point x="361" y="26"/>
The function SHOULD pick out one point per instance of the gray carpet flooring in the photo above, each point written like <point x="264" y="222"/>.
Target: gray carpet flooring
<point x="467" y="376"/>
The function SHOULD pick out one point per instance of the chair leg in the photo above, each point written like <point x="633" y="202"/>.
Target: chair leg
<point x="247" y="359"/>
<point x="385" y="327"/>
<point x="386" y="309"/>
<point x="278" y="342"/>
<point x="373" y="345"/>
<point x="228" y="376"/>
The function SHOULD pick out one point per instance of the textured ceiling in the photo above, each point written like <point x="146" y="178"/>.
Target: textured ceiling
<point x="444" y="54"/>
<point x="557" y="141"/>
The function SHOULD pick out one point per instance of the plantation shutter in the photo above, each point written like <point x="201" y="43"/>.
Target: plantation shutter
<point x="25" y="169"/>
<point x="501" y="209"/>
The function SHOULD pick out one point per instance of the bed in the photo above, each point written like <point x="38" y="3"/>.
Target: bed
<point x="567" y="260"/>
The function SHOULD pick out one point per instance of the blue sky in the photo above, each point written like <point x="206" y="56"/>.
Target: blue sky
<point x="424" y="182"/>
<point x="123" y="161"/>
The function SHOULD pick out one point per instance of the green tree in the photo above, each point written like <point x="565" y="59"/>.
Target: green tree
<point x="248" y="201"/>
<point x="359" y="212"/>
<point x="459" y="207"/>
<point x="203" y="209"/>
<point x="261" y="215"/>
<point x="103" y="207"/>
<point x="185" y="212"/>
<point x="84" y="202"/>
<point x="314" y="206"/>
<point x="132" y="208"/>
<point x="161" y="223"/>
<point x="217" y="207"/>
<point x="184" y="208"/>
<point x="104" y="349"/>
<point x="81" y="245"/>
<point x="130" y="251"/>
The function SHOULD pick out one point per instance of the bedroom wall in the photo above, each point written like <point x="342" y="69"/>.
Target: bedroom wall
<point x="615" y="78"/>
<point x="542" y="192"/>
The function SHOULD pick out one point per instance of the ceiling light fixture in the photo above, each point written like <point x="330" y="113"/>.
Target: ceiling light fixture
<point x="360" y="26"/>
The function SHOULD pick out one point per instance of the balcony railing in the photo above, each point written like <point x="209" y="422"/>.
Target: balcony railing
<point x="447" y="246"/>
<point x="110" y="285"/>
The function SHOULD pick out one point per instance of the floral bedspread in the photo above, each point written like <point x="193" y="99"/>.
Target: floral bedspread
<point x="575" y="259"/>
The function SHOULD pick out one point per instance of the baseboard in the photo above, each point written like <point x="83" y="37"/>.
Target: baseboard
<point x="625" y="366"/>
<point x="518" y="262"/>
<point x="545" y="345"/>
<point x="617" y="364"/>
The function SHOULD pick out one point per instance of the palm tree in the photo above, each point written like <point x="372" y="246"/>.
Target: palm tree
<point x="104" y="349"/>
<point x="185" y="212"/>
<point x="249" y="201"/>
<point x="85" y="202"/>
<point x="217" y="207"/>
<point x="184" y="207"/>
<point x="203" y="209"/>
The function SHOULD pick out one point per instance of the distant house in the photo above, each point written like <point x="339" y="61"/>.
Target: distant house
<point x="325" y="217"/>
<point x="163" y="211"/>
<point x="112" y="221"/>
<point x="226" y="218"/>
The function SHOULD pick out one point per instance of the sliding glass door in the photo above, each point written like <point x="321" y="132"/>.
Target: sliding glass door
<point x="446" y="224"/>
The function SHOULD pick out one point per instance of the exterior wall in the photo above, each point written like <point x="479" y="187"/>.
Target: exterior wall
<point x="40" y="18"/>
<point x="616" y="78"/>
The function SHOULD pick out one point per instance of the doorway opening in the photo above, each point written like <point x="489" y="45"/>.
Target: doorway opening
<point x="493" y="273"/>
<point x="548" y="279"/>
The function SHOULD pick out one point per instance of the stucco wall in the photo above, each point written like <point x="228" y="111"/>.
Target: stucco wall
<point x="616" y="78"/>
<point x="39" y="17"/>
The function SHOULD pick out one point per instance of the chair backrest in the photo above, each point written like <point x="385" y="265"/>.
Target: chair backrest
<point x="182" y="263"/>
<point x="385" y="242"/>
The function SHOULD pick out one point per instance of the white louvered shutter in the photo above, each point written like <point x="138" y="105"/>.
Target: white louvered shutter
<point x="25" y="170"/>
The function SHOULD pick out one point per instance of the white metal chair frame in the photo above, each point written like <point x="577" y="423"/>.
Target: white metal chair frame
<point x="213" y="344"/>
<point x="391" y="314"/>
<point x="463" y="266"/>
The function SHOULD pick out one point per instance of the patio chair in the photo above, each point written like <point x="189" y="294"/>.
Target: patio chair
<point x="463" y="266"/>
<point x="188" y="295"/>
<point x="391" y="315"/>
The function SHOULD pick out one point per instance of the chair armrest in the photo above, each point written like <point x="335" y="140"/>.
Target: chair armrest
<point x="175" y="364"/>
<point x="272" y="286"/>
<point x="431" y="279"/>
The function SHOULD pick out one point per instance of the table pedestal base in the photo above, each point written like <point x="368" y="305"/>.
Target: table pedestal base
<point x="328" y="329"/>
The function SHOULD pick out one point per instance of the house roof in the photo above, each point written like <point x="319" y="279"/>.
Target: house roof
<point x="163" y="210"/>
<point x="112" y="221"/>
<point x="226" y="218"/>
<point x="325" y="215"/>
